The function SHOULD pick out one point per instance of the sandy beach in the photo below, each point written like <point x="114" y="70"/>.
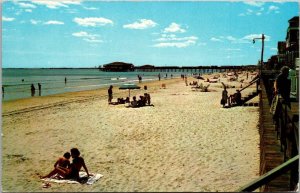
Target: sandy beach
<point x="185" y="142"/>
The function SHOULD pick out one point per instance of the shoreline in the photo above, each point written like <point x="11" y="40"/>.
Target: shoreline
<point x="185" y="142"/>
<point x="56" y="99"/>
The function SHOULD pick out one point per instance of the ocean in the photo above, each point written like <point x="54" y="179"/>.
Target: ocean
<point x="17" y="82"/>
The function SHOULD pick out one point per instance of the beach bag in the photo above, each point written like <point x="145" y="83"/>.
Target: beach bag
<point x="274" y="105"/>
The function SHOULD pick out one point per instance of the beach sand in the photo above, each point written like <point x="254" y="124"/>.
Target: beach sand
<point x="185" y="142"/>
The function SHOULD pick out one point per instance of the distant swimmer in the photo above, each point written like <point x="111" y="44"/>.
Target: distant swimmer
<point x="65" y="80"/>
<point x="40" y="89"/>
<point x="22" y="80"/>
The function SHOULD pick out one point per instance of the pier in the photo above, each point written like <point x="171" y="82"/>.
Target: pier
<point x="193" y="69"/>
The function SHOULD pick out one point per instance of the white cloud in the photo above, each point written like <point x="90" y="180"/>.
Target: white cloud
<point x="246" y="39"/>
<point x="55" y="4"/>
<point x="174" y="44"/>
<point x="90" y="8"/>
<point x="272" y="7"/>
<point x="174" y="27"/>
<point x="72" y="2"/>
<point x="256" y="11"/>
<point x="255" y="3"/>
<point x="49" y="4"/>
<point x="92" y="21"/>
<point x="93" y="38"/>
<point x="26" y="5"/>
<point x="141" y="24"/>
<point x="172" y="37"/>
<point x="230" y="38"/>
<point x="233" y="49"/>
<point x="34" y="22"/>
<point x="7" y="18"/>
<point x="53" y="22"/>
<point x="215" y="39"/>
<point x="251" y="36"/>
<point x="171" y="40"/>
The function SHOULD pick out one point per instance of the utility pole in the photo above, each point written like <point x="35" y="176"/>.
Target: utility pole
<point x="262" y="51"/>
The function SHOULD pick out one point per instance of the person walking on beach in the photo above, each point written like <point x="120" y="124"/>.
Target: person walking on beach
<point x="2" y="91"/>
<point x="40" y="89"/>
<point x="110" y="94"/>
<point x="32" y="90"/>
<point x="159" y="76"/>
<point x="65" y="80"/>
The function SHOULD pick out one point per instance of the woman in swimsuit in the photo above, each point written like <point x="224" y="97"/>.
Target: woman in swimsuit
<point x="73" y="171"/>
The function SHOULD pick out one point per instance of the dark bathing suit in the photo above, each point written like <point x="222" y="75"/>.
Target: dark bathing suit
<point x="73" y="173"/>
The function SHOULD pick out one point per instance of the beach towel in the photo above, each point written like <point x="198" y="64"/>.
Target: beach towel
<point x="83" y="176"/>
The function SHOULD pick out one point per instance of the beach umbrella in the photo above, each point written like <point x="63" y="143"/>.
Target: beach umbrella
<point x="129" y="86"/>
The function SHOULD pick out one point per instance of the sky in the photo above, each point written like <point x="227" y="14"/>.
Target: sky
<point x="50" y="34"/>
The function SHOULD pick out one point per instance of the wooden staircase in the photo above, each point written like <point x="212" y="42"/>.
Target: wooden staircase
<point x="250" y="96"/>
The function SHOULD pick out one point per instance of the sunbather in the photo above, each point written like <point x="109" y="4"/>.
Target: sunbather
<point x="134" y="102"/>
<point x="73" y="171"/>
<point x="62" y="163"/>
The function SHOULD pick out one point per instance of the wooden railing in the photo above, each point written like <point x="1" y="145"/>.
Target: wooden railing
<point x="256" y="80"/>
<point x="291" y="164"/>
<point x="287" y="130"/>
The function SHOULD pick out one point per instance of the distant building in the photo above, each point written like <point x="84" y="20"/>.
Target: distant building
<point x="118" y="67"/>
<point x="292" y="42"/>
<point x="272" y="63"/>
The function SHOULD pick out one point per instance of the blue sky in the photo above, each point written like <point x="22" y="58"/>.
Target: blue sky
<point x="42" y="33"/>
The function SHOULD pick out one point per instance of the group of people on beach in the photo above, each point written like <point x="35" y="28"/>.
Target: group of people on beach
<point x="67" y="170"/>
<point x="32" y="88"/>
<point x="236" y="98"/>
<point x="143" y="100"/>
<point x="282" y="86"/>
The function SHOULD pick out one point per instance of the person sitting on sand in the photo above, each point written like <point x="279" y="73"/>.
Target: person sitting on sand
<point x="142" y="101"/>
<point x="73" y="171"/>
<point x="134" y="102"/>
<point x="238" y="97"/>
<point x="146" y="97"/>
<point x="62" y="163"/>
<point x="121" y="101"/>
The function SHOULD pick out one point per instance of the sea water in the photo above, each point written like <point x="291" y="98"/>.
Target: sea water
<point x="17" y="82"/>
